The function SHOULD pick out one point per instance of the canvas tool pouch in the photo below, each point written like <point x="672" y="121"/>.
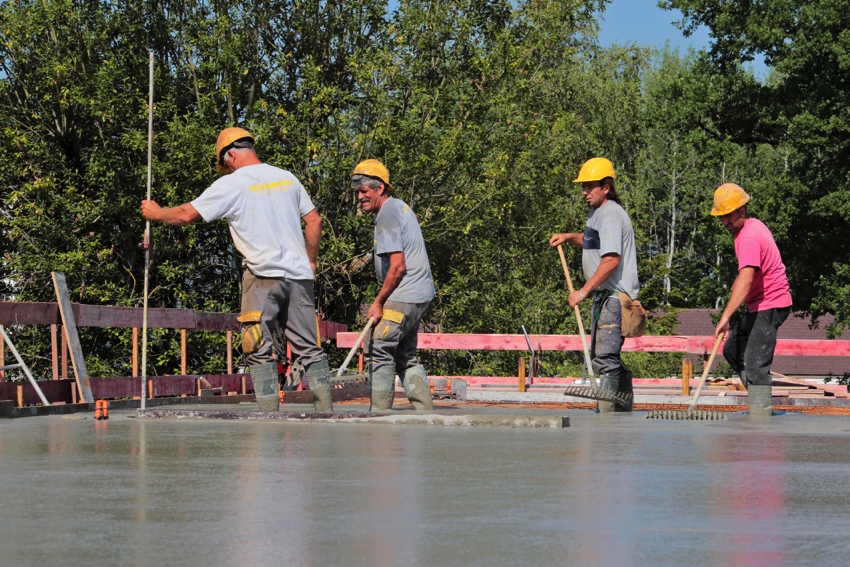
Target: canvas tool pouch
<point x="633" y="317"/>
<point x="252" y="333"/>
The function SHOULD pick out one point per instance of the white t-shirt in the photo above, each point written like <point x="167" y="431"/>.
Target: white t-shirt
<point x="263" y="206"/>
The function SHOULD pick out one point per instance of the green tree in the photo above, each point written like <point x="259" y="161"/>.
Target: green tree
<point x="804" y="114"/>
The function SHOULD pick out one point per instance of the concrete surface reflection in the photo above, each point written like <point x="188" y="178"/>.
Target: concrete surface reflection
<point x="610" y="490"/>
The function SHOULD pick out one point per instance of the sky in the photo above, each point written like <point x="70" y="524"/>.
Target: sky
<point x="644" y="23"/>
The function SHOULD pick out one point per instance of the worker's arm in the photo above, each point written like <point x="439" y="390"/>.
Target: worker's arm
<point x="312" y="236"/>
<point x="574" y="238"/>
<point x="395" y="273"/>
<point x="606" y="267"/>
<point x="740" y="291"/>
<point x="178" y="216"/>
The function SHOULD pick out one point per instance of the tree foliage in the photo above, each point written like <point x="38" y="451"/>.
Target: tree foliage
<point x="802" y="110"/>
<point x="482" y="109"/>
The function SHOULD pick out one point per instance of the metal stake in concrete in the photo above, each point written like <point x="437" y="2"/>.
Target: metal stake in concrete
<point x="148" y="236"/>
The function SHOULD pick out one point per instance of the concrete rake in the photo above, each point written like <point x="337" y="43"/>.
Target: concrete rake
<point x="593" y="392"/>
<point x="691" y="412"/>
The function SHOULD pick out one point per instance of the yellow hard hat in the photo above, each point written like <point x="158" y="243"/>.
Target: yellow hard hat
<point x="374" y="168"/>
<point x="595" y="169"/>
<point x="727" y="198"/>
<point x="226" y="140"/>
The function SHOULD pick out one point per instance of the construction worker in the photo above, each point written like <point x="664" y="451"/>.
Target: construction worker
<point x="761" y="284"/>
<point x="609" y="261"/>
<point x="264" y="206"/>
<point x="407" y="288"/>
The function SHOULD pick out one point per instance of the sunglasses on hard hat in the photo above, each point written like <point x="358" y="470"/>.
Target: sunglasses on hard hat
<point x="237" y="144"/>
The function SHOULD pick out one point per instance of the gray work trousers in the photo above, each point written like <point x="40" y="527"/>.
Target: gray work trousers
<point x="289" y="304"/>
<point x="606" y="336"/>
<point x="751" y="343"/>
<point x="394" y="339"/>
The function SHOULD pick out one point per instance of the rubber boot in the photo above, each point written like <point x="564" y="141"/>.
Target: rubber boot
<point x="625" y="387"/>
<point x="319" y="380"/>
<point x="760" y="400"/>
<point x="383" y="388"/>
<point x="266" y="386"/>
<point x="417" y="387"/>
<point x="607" y="382"/>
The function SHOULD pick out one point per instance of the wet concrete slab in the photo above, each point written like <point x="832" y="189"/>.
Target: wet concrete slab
<point x="609" y="490"/>
<point x="359" y="415"/>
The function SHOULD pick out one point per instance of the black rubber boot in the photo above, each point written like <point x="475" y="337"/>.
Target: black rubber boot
<point x="418" y="388"/>
<point x="319" y="380"/>
<point x="382" y="388"/>
<point x="625" y="387"/>
<point x="760" y="400"/>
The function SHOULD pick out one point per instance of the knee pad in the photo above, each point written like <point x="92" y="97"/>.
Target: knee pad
<point x="252" y="332"/>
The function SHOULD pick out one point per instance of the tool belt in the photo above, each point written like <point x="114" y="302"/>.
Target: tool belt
<point x="633" y="321"/>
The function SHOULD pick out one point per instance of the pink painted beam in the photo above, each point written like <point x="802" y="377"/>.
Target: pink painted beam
<point x="685" y="344"/>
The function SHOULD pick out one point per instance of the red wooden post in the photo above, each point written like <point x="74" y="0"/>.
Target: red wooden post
<point x="687" y="374"/>
<point x="521" y="380"/>
<point x="183" y="352"/>
<point x="230" y="352"/>
<point x="54" y="351"/>
<point x="2" y="358"/>
<point x="135" y="355"/>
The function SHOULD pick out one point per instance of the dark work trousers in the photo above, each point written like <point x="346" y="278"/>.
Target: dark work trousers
<point x="393" y="341"/>
<point x="751" y="343"/>
<point x="290" y="305"/>
<point x="606" y="336"/>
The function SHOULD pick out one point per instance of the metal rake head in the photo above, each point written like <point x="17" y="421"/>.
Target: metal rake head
<point x="696" y="415"/>
<point x="599" y="394"/>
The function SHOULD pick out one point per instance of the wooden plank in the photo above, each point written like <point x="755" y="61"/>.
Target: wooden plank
<point x="227" y="382"/>
<point x="127" y="317"/>
<point x="69" y="326"/>
<point x="120" y="387"/>
<point x="215" y="322"/>
<point x="173" y="386"/>
<point x="28" y="313"/>
<point x="837" y="390"/>
<point x="692" y="345"/>
<point x="63" y="346"/>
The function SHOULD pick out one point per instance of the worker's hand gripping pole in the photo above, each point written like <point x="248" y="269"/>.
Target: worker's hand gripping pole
<point x="148" y="236"/>
<point x="578" y="320"/>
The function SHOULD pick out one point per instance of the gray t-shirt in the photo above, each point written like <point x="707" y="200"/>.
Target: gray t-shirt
<point x="263" y="206"/>
<point x="397" y="230"/>
<point x="609" y="230"/>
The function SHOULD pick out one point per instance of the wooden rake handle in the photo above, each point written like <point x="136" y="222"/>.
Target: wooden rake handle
<point x="705" y="371"/>
<point x="354" y="348"/>
<point x="578" y="319"/>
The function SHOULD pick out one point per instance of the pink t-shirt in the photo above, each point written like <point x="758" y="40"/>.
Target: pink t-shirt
<point x="755" y="247"/>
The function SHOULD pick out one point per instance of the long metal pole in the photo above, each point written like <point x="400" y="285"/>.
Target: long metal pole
<point x="148" y="238"/>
